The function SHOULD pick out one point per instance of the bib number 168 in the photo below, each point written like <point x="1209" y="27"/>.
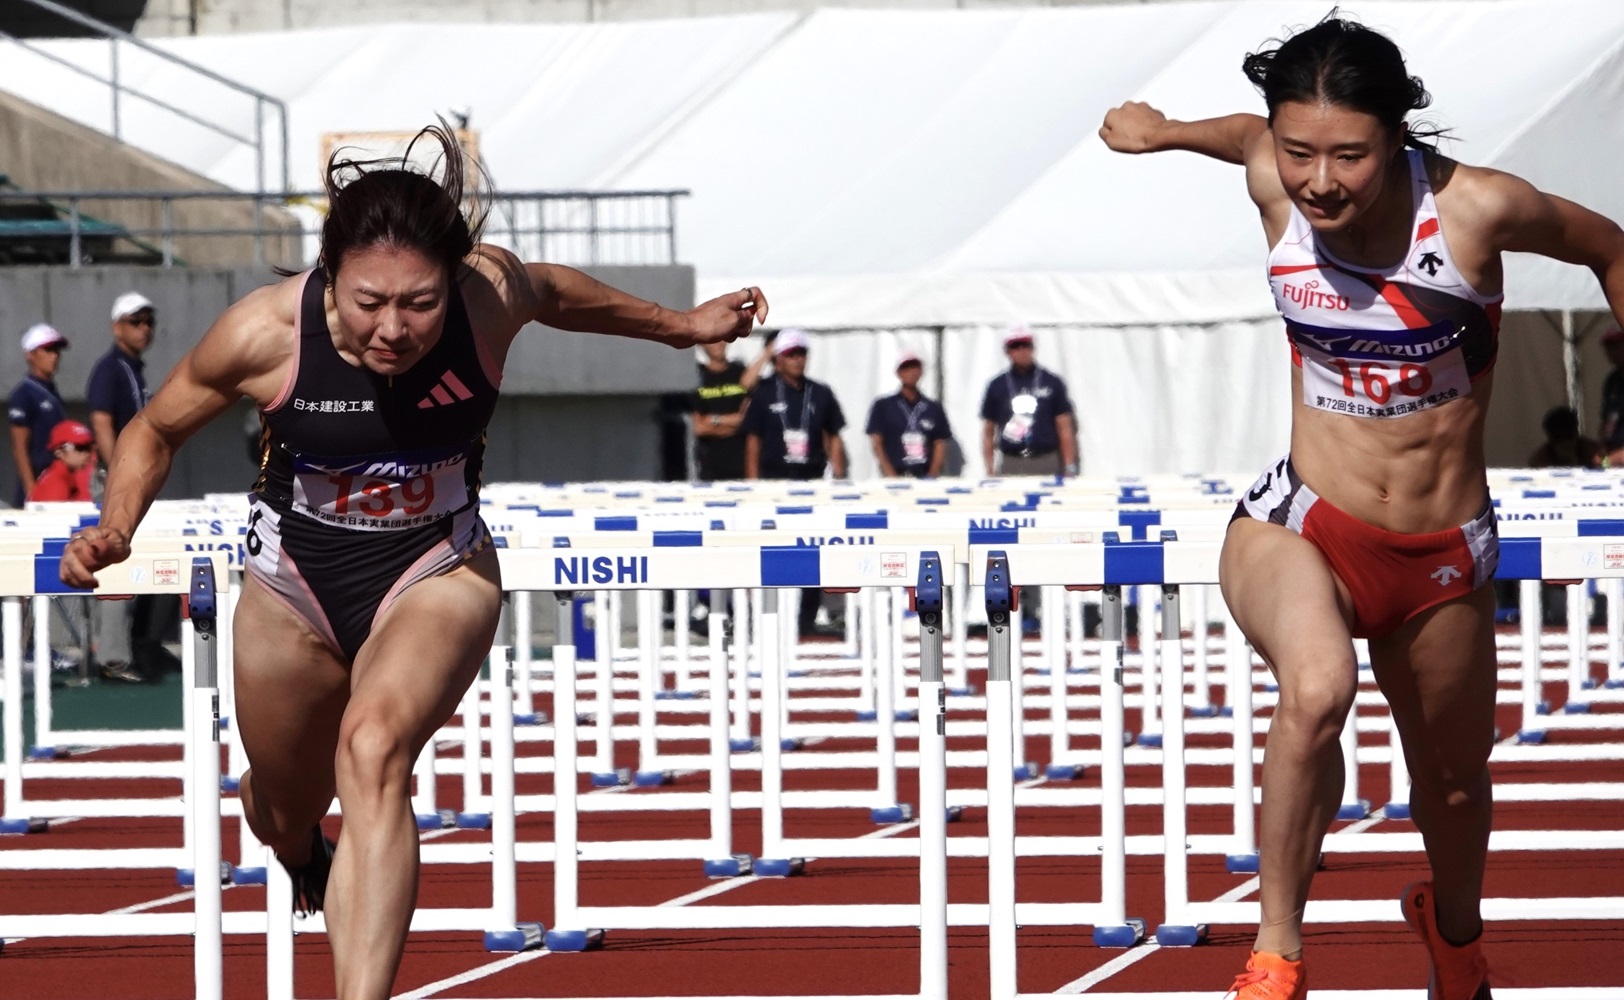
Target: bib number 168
<point x="1377" y="381"/>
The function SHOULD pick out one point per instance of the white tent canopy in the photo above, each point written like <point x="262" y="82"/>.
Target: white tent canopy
<point x="918" y="170"/>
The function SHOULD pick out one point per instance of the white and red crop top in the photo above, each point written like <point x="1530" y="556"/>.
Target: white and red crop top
<point x="1383" y="342"/>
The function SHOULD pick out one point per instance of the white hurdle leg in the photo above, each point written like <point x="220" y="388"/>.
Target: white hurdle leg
<point x="188" y="681"/>
<point x="1060" y="603"/>
<point x="475" y="812"/>
<point x="1533" y="705"/>
<point x="742" y="741"/>
<point x="603" y="768"/>
<point x="773" y="860"/>
<point x="524" y="706"/>
<point x="681" y="607"/>
<point x="1075" y="616"/>
<point x="1201" y="696"/>
<point x="1578" y="649"/>
<point x="203" y="707"/>
<point x="649" y="675"/>
<point x="1178" y="929"/>
<point x="1001" y="622"/>
<point x="1613" y="587"/>
<point x="503" y="930"/>
<point x="44" y="737"/>
<point x="867" y="705"/>
<point x="1115" y="929"/>
<point x="567" y="934"/>
<point x="1398" y="784"/>
<point x="1150" y="721"/>
<point x="1242" y="855"/>
<point x="932" y="785"/>
<point x="1017" y="701"/>
<point x="1353" y="807"/>
<point x="722" y="861"/>
<point x="959" y="620"/>
<point x="11" y="623"/>
<point x="278" y="932"/>
<point x="885" y="712"/>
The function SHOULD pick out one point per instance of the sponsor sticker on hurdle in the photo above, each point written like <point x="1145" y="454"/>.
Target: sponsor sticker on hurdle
<point x="166" y="572"/>
<point x="893" y="565"/>
<point x="1612" y="556"/>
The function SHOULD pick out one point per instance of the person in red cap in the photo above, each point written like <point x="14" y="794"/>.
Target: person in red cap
<point x="908" y="429"/>
<point x="67" y="478"/>
<point x="1027" y="422"/>
<point x="1612" y="397"/>
<point x="35" y="405"/>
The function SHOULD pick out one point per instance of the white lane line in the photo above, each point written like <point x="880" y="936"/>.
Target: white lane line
<point x="1084" y="983"/>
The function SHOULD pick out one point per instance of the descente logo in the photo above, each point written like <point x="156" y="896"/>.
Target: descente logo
<point x="1309" y="296"/>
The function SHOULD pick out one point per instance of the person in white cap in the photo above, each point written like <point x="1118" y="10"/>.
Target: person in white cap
<point x="128" y="634"/>
<point x="1026" y="417"/>
<point x="1612" y="397"/>
<point x="36" y="406"/>
<point x="908" y="429"/>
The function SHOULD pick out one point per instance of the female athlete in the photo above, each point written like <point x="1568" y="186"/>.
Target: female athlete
<point x="371" y="593"/>
<point x="1385" y="262"/>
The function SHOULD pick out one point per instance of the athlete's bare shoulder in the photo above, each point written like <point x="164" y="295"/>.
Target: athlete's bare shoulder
<point x="250" y="345"/>
<point x="1264" y="186"/>
<point x="497" y="291"/>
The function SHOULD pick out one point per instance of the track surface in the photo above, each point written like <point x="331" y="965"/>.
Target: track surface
<point x="816" y="962"/>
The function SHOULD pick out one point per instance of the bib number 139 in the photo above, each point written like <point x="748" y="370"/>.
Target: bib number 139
<point x="1379" y="381"/>
<point x="379" y="498"/>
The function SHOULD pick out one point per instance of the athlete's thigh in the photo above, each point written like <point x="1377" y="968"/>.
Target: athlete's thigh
<point x="291" y="688"/>
<point x="425" y="650"/>
<point x="1288" y="602"/>
<point x="1437" y="671"/>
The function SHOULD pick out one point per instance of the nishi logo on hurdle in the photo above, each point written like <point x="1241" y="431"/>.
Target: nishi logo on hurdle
<point x="931" y="712"/>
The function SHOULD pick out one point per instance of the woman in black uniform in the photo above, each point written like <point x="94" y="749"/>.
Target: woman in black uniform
<point x="372" y="592"/>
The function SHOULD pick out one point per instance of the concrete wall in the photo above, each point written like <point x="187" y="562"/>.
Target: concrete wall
<point x="575" y="406"/>
<point x="42" y="151"/>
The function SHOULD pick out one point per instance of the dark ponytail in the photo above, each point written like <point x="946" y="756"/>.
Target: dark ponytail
<point x="1341" y="62"/>
<point x="390" y="202"/>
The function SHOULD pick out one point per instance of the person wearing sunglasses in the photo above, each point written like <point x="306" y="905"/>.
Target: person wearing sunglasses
<point x="67" y="478"/>
<point x="36" y="406"/>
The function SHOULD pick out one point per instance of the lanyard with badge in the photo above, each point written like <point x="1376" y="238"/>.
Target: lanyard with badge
<point x="797" y="440"/>
<point x="1023" y="409"/>
<point x="913" y="440"/>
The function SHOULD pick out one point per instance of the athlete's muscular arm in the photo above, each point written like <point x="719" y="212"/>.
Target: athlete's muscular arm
<point x="1519" y="217"/>
<point x="1136" y="127"/>
<point x="238" y="354"/>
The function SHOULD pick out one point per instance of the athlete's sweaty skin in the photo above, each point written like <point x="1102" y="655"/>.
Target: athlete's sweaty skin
<point x="312" y="722"/>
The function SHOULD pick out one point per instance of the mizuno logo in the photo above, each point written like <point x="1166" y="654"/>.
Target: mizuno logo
<point x="442" y="394"/>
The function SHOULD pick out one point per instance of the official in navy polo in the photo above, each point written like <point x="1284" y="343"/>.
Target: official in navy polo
<point x="908" y="429"/>
<point x="1026" y="416"/>
<point x="792" y="425"/>
<point x="36" y="406"/>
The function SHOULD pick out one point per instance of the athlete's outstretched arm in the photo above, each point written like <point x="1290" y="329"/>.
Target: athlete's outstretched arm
<point x="1136" y="127"/>
<point x="1526" y="219"/>
<point x="203" y="384"/>
<point x="566" y="299"/>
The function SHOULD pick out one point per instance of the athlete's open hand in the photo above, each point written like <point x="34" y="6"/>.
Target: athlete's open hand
<point x="1132" y="127"/>
<point x="91" y="550"/>
<point x="725" y="318"/>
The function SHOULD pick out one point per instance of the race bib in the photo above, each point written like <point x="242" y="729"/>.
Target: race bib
<point x="1383" y="375"/>
<point x="796" y="446"/>
<point x="381" y="492"/>
<point x="913" y="447"/>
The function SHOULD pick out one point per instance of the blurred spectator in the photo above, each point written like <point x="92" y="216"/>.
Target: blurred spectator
<point x="1564" y="446"/>
<point x="908" y="429"/>
<point x="1027" y="417"/>
<point x="128" y="634"/>
<point x="1612" y="398"/>
<point x="792" y="431"/>
<point x="718" y="409"/>
<point x="36" y="406"/>
<point x="67" y="478"/>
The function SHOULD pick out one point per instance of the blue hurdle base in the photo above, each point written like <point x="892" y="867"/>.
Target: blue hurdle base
<point x="229" y="784"/>
<point x="963" y="692"/>
<point x="572" y="941"/>
<point x="1204" y="712"/>
<point x="1150" y="739"/>
<point x="744" y="744"/>
<point x="955" y="813"/>
<point x="24" y="825"/>
<point x="907" y="715"/>
<point x="1589" y="684"/>
<point x="1354" y="810"/>
<point x="1576" y="708"/>
<point x="1180" y="935"/>
<point x="675" y="695"/>
<point x="523" y="937"/>
<point x="865" y="715"/>
<point x="1613" y="684"/>
<point x="1026" y="771"/>
<point x="247" y="876"/>
<point x="1271" y="687"/>
<point x="790" y="744"/>
<point x="445" y="819"/>
<point x="530" y="718"/>
<point x="1241" y="864"/>
<point x="1534" y="736"/>
<point x="653" y="779"/>
<point x="473" y="821"/>
<point x="1542" y="708"/>
<point x="42" y="753"/>
<point x="612" y="779"/>
<point x="737" y="865"/>
<point x="779" y="867"/>
<point x="1228" y="711"/>
<point x="1396" y="810"/>
<point x="187" y="877"/>
<point x="1063" y="772"/>
<point x="891" y="814"/>
<point x="1123" y="935"/>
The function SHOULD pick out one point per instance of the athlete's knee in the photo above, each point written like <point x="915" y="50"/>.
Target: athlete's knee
<point x="1462" y="787"/>
<point x="373" y="752"/>
<point x="1317" y="705"/>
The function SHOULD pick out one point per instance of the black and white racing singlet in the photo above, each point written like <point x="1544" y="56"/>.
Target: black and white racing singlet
<point x="368" y="483"/>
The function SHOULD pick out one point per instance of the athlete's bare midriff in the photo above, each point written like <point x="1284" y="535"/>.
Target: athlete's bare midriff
<point x="1419" y="473"/>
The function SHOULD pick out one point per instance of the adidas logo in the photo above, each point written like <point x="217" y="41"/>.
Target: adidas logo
<point x="441" y="395"/>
